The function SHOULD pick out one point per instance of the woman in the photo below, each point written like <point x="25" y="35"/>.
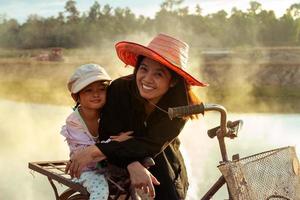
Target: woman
<point x="138" y="103"/>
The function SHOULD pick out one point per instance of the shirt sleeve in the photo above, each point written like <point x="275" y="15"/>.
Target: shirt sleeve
<point x="75" y="134"/>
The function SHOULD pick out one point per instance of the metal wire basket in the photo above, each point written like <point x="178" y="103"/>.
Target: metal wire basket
<point x="270" y="175"/>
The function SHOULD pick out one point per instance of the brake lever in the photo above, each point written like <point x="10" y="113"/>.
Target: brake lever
<point x="232" y="129"/>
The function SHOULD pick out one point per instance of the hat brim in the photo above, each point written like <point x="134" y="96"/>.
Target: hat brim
<point x="88" y="81"/>
<point x="129" y="51"/>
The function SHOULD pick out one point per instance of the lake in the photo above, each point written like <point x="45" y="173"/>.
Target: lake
<point x="30" y="132"/>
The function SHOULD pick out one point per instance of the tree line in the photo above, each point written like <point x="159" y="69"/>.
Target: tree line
<point x="72" y="29"/>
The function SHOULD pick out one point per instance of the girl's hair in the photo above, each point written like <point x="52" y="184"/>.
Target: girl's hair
<point x="182" y="92"/>
<point x="76" y="106"/>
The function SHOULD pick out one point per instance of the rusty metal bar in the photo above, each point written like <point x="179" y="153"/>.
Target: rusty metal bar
<point x="41" y="168"/>
<point x="218" y="184"/>
<point x="223" y="121"/>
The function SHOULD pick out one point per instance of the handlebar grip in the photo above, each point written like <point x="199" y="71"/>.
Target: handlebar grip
<point x="148" y="162"/>
<point x="184" y="111"/>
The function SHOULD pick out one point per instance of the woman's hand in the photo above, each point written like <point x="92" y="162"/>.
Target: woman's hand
<point x="82" y="158"/>
<point x="123" y="136"/>
<point x="141" y="178"/>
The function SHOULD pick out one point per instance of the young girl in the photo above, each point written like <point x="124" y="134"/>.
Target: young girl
<point x="88" y="89"/>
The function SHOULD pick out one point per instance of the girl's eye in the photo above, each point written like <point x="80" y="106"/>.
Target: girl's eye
<point x="87" y="90"/>
<point x="101" y="89"/>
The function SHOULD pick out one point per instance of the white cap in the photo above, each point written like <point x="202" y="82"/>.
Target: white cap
<point x="85" y="75"/>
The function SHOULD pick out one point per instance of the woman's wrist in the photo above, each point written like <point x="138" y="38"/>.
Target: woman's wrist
<point x="96" y="154"/>
<point x="133" y="165"/>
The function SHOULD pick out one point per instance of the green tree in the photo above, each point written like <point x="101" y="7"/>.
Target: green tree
<point x="169" y="18"/>
<point x="95" y="12"/>
<point x="198" y="10"/>
<point x="255" y="7"/>
<point x="9" y="31"/>
<point x="170" y="5"/>
<point x="268" y="33"/>
<point x="71" y="9"/>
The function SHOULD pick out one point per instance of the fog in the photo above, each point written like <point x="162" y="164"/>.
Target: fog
<point x="30" y="132"/>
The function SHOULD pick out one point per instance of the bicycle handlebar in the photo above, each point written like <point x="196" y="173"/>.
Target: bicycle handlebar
<point x="184" y="111"/>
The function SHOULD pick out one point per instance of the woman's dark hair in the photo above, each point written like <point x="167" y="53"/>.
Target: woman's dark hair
<point x="181" y="87"/>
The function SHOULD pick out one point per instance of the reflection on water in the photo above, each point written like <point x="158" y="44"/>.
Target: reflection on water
<point x="30" y="132"/>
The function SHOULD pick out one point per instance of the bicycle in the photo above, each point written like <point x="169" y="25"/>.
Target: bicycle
<point x="241" y="175"/>
<point x="248" y="178"/>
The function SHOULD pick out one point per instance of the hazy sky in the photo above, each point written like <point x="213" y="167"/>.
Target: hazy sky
<point x="20" y="9"/>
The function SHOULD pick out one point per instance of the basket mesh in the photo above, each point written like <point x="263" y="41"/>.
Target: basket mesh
<point x="270" y="175"/>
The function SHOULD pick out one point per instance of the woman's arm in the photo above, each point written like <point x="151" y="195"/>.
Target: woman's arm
<point x="141" y="178"/>
<point x="157" y="137"/>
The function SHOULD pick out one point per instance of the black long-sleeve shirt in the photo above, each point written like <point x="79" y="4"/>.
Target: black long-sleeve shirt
<point x="154" y="135"/>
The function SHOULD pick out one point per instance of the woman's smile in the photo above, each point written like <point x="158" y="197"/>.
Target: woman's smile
<point x="147" y="87"/>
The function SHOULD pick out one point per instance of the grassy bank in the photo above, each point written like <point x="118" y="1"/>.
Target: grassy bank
<point x="23" y="78"/>
<point x="267" y="99"/>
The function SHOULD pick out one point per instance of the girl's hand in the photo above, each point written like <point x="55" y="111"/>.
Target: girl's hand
<point x="123" y="136"/>
<point x="82" y="158"/>
<point x="141" y="178"/>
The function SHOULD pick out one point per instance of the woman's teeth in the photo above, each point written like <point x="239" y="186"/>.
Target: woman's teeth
<point x="147" y="87"/>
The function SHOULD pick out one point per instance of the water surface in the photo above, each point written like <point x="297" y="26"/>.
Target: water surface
<point x="30" y="132"/>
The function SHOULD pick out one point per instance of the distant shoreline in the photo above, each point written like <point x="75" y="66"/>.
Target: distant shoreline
<point x="24" y="79"/>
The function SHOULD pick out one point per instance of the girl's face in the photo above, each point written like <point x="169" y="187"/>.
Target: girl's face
<point x="153" y="80"/>
<point x="93" y="96"/>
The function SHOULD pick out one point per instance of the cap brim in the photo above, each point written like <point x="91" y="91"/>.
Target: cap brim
<point x="129" y="51"/>
<point x="88" y="81"/>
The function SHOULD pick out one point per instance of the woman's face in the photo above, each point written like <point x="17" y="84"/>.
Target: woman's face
<point x="93" y="96"/>
<point x="153" y="80"/>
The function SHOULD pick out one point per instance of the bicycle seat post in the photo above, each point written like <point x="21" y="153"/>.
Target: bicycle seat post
<point x="221" y="133"/>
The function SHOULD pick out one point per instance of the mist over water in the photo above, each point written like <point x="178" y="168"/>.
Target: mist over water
<point x="30" y="132"/>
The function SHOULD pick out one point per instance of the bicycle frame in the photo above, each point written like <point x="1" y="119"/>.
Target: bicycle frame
<point x="221" y="139"/>
<point x="221" y="132"/>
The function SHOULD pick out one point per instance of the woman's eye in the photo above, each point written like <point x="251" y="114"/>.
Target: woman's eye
<point x="143" y="68"/>
<point x="159" y="74"/>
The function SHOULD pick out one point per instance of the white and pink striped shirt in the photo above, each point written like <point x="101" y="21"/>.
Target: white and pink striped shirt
<point x="77" y="135"/>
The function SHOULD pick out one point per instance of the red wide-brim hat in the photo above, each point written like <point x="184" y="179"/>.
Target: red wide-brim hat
<point x="164" y="49"/>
